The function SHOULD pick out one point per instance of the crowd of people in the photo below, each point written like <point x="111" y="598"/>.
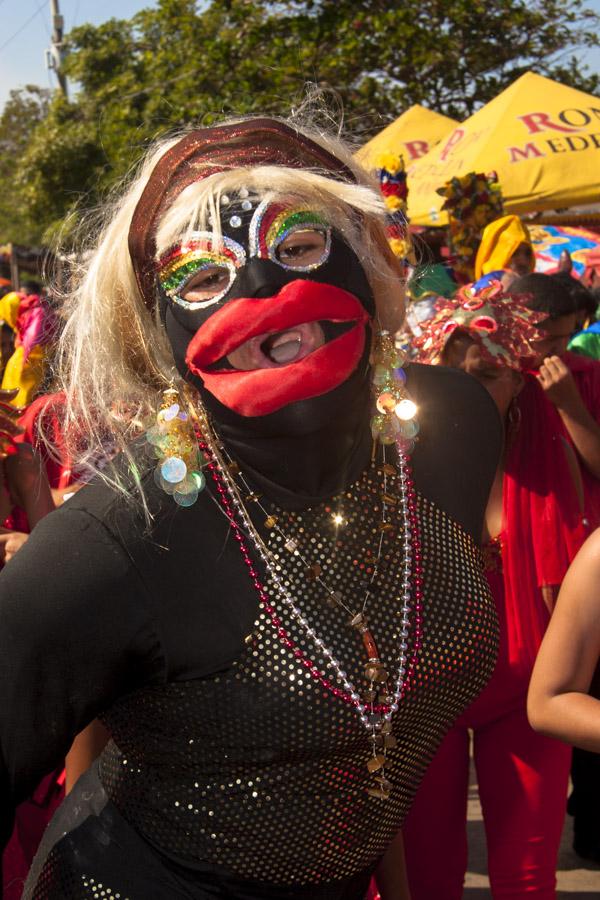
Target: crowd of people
<point x="278" y="560"/>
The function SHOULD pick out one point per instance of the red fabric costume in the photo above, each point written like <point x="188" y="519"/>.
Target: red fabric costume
<point x="522" y="775"/>
<point x="34" y="814"/>
<point x="44" y="414"/>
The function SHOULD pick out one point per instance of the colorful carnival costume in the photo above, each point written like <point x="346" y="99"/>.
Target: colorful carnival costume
<point x="279" y="639"/>
<point x="33" y="815"/>
<point x="522" y="776"/>
<point x="34" y="327"/>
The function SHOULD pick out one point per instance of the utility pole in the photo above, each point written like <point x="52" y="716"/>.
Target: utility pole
<point x="55" y="55"/>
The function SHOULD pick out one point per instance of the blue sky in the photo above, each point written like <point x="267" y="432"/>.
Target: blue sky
<point x="25" y="33"/>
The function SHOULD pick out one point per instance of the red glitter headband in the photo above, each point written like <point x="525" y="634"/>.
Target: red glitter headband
<point x="254" y="142"/>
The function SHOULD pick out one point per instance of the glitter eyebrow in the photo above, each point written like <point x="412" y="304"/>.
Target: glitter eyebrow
<point x="273" y="222"/>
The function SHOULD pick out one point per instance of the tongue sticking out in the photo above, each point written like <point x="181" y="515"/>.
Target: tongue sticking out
<point x="283" y="347"/>
<point x="266" y="351"/>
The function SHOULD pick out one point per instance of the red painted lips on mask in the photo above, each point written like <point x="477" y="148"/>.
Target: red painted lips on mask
<point x="278" y="348"/>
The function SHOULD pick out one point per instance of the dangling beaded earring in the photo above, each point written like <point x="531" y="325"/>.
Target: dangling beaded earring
<point x="513" y="422"/>
<point x="394" y="421"/>
<point x="174" y="443"/>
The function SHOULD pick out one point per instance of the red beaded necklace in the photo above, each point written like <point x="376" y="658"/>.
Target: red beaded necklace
<point x="379" y="703"/>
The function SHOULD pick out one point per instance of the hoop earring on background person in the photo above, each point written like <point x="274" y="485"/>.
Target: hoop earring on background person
<point x="513" y="422"/>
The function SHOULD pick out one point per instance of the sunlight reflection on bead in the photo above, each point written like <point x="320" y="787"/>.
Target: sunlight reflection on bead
<point x="406" y="409"/>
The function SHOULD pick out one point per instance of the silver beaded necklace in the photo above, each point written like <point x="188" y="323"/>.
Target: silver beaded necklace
<point x="375" y="717"/>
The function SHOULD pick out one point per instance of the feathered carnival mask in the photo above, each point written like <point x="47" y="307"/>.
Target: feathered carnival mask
<point x="500" y="324"/>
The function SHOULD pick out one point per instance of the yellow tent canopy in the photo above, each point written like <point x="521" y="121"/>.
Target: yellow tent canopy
<point x="541" y="137"/>
<point x="412" y="135"/>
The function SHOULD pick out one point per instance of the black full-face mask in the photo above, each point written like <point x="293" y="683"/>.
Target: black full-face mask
<point x="271" y="324"/>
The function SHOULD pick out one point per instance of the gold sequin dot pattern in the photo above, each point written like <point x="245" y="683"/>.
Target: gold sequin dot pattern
<point x="220" y="769"/>
<point x="59" y="880"/>
<point x="96" y="889"/>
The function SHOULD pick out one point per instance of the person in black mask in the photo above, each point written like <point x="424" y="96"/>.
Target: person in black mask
<point x="273" y="600"/>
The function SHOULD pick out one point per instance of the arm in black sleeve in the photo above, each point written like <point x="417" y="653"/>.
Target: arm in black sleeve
<point x="74" y="635"/>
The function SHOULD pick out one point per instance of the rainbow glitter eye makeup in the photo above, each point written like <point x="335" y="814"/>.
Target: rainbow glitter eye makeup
<point x="293" y="237"/>
<point x="199" y="272"/>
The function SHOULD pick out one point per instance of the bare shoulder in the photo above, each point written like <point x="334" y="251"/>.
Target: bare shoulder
<point x="580" y="592"/>
<point x="588" y="558"/>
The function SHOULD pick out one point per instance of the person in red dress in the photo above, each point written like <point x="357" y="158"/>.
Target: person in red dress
<point x="571" y="385"/>
<point x="533" y="528"/>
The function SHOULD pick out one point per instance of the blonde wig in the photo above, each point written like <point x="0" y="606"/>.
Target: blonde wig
<point x="113" y="358"/>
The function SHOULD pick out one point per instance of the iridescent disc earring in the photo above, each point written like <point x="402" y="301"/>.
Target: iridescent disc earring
<point x="394" y="421"/>
<point x="173" y="441"/>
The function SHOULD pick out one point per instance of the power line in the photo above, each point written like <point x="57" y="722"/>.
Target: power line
<point x="46" y="29"/>
<point x="55" y="55"/>
<point x="23" y="26"/>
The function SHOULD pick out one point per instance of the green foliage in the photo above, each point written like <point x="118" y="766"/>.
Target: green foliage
<point x="183" y="62"/>
<point x="24" y="111"/>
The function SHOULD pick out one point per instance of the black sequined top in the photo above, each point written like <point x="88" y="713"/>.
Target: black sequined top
<point x="226" y="753"/>
<point x="215" y="769"/>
